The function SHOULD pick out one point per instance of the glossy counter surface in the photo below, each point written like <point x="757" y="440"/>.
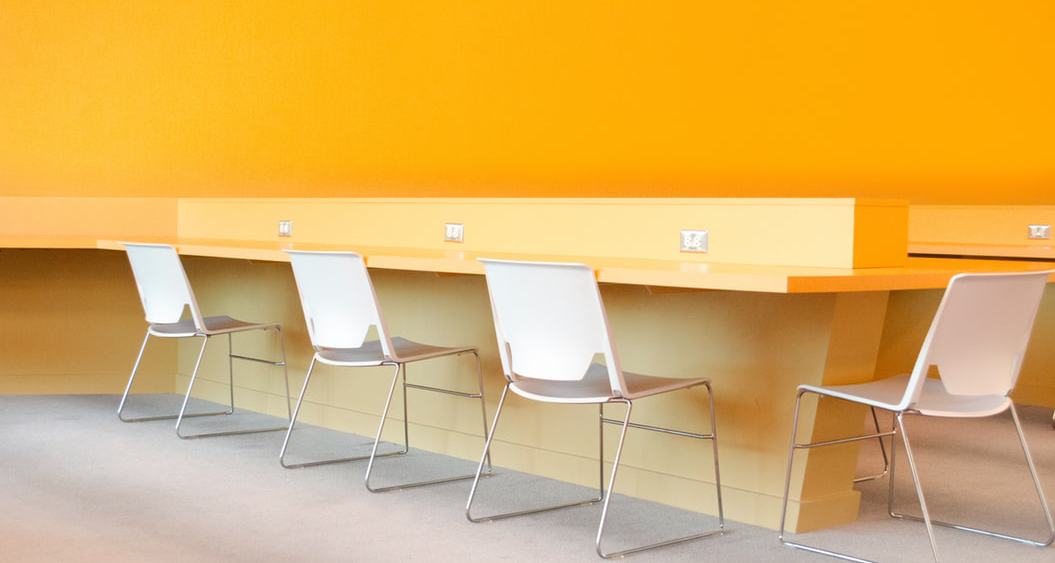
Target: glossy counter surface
<point x="918" y="273"/>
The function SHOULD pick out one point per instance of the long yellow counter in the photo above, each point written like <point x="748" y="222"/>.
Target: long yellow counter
<point x="842" y="336"/>
<point x="756" y="329"/>
<point x="916" y="273"/>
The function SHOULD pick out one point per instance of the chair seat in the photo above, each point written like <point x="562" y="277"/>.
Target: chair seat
<point x="595" y="387"/>
<point x="213" y="325"/>
<point x="371" y="354"/>
<point x="933" y="401"/>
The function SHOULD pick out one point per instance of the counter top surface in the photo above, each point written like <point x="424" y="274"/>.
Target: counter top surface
<point x="919" y="273"/>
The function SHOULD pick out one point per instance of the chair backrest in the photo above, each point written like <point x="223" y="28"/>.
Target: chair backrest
<point x="550" y="321"/>
<point x="338" y="299"/>
<point x="979" y="334"/>
<point x="162" y="283"/>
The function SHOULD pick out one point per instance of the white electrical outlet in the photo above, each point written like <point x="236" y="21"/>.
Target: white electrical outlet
<point x="285" y="228"/>
<point x="1040" y="231"/>
<point x="693" y="241"/>
<point x="454" y="232"/>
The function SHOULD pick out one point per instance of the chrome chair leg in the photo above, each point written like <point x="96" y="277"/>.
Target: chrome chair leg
<point x="128" y="389"/>
<point x="899" y="429"/>
<point x="611" y="486"/>
<point x="792" y="447"/>
<point x="615" y="467"/>
<point x="479" y="471"/>
<point x="399" y="373"/>
<point x="293" y="422"/>
<point x="899" y="418"/>
<point x="605" y="492"/>
<point x="882" y="450"/>
<point x="285" y="371"/>
<point x="1036" y="480"/>
<point x="230" y="375"/>
<point x="714" y="454"/>
<point x="1036" y="485"/>
<point x="600" y="451"/>
<point x="230" y="370"/>
<point x="483" y="404"/>
<point x="787" y="475"/>
<point x="402" y="372"/>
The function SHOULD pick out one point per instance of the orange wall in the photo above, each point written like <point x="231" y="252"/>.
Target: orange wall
<point x="946" y="101"/>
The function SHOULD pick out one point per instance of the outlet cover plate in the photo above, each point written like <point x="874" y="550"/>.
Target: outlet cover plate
<point x="693" y="240"/>
<point x="285" y="228"/>
<point x="454" y="232"/>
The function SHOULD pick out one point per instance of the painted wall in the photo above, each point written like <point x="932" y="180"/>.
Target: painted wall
<point x="938" y="102"/>
<point x="941" y="101"/>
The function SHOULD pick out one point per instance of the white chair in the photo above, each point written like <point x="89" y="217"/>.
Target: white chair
<point x="340" y="308"/>
<point x="976" y="340"/>
<point x="167" y="297"/>
<point x="551" y="324"/>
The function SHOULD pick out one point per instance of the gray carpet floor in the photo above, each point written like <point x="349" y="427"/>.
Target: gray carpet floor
<point x="78" y="485"/>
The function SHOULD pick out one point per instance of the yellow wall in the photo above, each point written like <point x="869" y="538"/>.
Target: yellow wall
<point x="941" y="101"/>
<point x="946" y="101"/>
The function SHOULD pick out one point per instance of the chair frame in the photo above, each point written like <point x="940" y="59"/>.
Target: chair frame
<point x="398" y="375"/>
<point x="201" y="329"/>
<point x="879" y="435"/>
<point x="898" y="433"/>
<point x="604" y="492"/>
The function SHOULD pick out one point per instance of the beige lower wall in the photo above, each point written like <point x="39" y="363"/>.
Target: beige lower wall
<point x="755" y="346"/>
<point x="71" y="322"/>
